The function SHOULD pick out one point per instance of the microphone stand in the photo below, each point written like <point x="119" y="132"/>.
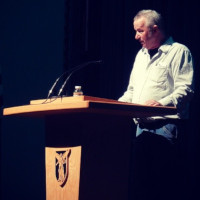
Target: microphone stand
<point x="66" y="80"/>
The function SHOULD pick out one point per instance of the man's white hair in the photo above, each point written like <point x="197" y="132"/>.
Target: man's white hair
<point x="152" y="18"/>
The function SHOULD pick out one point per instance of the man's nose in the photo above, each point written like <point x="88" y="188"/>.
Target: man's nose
<point x="137" y="36"/>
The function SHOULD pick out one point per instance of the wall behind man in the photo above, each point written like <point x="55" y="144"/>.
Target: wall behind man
<point x="31" y="49"/>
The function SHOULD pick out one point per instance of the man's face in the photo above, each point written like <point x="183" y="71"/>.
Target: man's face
<point x="144" y="34"/>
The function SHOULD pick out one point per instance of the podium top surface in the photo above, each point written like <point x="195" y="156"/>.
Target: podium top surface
<point x="86" y="104"/>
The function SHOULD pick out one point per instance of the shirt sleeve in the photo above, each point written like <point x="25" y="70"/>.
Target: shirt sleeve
<point x="128" y="94"/>
<point x="182" y="75"/>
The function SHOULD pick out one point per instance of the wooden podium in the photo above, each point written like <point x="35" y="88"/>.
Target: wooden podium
<point x="88" y="145"/>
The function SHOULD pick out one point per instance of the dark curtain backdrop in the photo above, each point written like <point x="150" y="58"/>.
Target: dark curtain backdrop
<point x="102" y="29"/>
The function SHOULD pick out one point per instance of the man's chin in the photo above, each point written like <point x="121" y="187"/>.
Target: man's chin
<point x="143" y="45"/>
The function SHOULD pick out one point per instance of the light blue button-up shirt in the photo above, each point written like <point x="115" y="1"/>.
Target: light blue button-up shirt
<point x="167" y="77"/>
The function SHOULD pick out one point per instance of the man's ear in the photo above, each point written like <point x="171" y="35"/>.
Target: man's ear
<point x="155" y="28"/>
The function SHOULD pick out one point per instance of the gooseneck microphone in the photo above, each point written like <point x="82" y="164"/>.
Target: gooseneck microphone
<point x="71" y="71"/>
<point x="74" y="70"/>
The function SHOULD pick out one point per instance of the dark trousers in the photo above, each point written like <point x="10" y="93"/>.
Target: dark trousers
<point x="156" y="169"/>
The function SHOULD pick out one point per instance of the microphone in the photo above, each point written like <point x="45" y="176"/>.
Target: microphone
<point x="76" y="69"/>
<point x="68" y="71"/>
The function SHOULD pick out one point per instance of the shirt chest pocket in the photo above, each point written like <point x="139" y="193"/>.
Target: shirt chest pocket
<point x="158" y="73"/>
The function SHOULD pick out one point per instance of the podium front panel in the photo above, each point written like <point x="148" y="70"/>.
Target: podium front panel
<point x="105" y="155"/>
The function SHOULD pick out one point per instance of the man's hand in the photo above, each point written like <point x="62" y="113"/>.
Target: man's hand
<point x="152" y="103"/>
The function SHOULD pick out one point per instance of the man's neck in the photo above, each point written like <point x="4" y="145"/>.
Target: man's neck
<point x="152" y="52"/>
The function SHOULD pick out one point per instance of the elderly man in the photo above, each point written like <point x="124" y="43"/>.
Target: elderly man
<point x="162" y="75"/>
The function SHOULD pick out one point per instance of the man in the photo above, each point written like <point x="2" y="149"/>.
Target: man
<point x="162" y="75"/>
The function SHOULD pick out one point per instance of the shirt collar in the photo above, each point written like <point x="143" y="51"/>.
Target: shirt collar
<point x="164" y="47"/>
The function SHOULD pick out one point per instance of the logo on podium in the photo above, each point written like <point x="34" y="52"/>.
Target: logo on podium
<point x="62" y="166"/>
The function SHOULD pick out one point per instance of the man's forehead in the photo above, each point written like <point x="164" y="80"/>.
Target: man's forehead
<point x="139" y="22"/>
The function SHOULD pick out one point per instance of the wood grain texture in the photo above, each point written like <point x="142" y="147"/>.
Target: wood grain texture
<point x="71" y="189"/>
<point x="89" y="105"/>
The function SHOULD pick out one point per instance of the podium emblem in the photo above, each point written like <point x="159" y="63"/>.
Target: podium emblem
<point x="62" y="166"/>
